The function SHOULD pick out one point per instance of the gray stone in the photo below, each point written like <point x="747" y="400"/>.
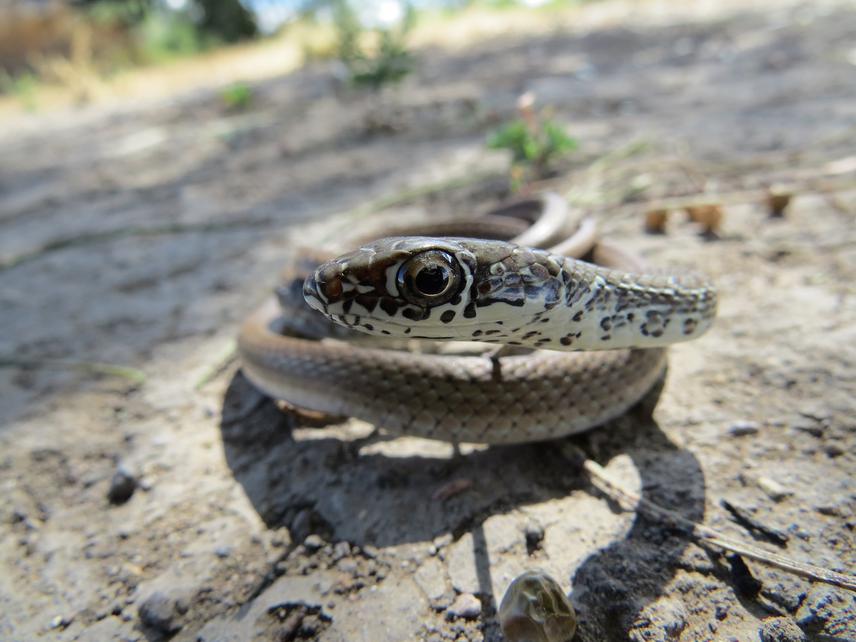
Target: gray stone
<point x="313" y="543"/>
<point x="158" y="612"/>
<point x="122" y="486"/>
<point x="431" y="578"/>
<point x="340" y="550"/>
<point x="466" y="606"/>
<point x="742" y="428"/>
<point x="773" y="489"/>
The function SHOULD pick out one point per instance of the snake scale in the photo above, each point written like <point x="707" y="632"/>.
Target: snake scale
<point x="431" y="281"/>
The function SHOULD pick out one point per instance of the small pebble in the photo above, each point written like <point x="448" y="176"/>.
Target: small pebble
<point x="535" y="609"/>
<point x="773" y="489"/>
<point x="741" y="428"/>
<point x="814" y="430"/>
<point x="534" y="534"/>
<point x="778" y="199"/>
<point x="655" y="220"/>
<point x="340" y="550"/>
<point x="122" y="486"/>
<point x="60" y="622"/>
<point x="223" y="551"/>
<point x="834" y="450"/>
<point x="313" y="543"/>
<point x="158" y="612"/>
<point x="466" y="606"/>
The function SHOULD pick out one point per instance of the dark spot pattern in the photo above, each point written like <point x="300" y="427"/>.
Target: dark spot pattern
<point x="389" y="306"/>
<point x="368" y="302"/>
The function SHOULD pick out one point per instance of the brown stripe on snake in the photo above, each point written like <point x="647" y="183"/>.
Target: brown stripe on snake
<point x="475" y="290"/>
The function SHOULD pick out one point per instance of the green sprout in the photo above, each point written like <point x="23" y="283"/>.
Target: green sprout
<point x="535" y="143"/>
<point x="237" y="97"/>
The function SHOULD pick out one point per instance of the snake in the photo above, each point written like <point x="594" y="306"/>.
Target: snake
<point x="566" y="344"/>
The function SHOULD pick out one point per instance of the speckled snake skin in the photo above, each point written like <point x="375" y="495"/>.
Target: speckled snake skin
<point x="545" y="304"/>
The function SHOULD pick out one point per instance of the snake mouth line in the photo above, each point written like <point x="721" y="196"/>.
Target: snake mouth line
<point x="312" y="297"/>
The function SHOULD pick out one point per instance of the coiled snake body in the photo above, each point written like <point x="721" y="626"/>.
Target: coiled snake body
<point x="543" y="303"/>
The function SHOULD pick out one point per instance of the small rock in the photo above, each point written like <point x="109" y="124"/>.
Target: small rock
<point x="313" y="543"/>
<point x="18" y="516"/>
<point x="655" y="220"/>
<point x="820" y="415"/>
<point x="340" y="550"/>
<point x="535" y="609"/>
<point x="223" y="551"/>
<point x="60" y="622"/>
<point x="778" y="199"/>
<point x="773" y="489"/>
<point x="742" y="428"/>
<point x="834" y="450"/>
<point x="534" y="534"/>
<point x="158" y="612"/>
<point x="441" y="541"/>
<point x="828" y="508"/>
<point x="122" y="486"/>
<point x="347" y="565"/>
<point x="466" y="606"/>
<point x="780" y="629"/>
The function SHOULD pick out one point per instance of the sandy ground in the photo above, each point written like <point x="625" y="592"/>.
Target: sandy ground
<point x="140" y="234"/>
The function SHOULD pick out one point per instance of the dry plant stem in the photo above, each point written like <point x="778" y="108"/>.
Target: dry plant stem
<point x="707" y="536"/>
<point x="133" y="375"/>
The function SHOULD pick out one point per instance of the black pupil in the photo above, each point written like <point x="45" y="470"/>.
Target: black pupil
<point x="432" y="280"/>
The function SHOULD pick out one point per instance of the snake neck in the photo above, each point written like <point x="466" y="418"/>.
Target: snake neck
<point x="566" y="304"/>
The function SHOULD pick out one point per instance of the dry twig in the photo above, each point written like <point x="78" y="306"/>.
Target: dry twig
<point x="704" y="535"/>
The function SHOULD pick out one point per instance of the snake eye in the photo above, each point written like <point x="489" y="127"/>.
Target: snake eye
<point x="429" y="278"/>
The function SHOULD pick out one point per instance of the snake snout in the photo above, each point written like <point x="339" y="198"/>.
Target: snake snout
<point x="311" y="296"/>
<point x="324" y="287"/>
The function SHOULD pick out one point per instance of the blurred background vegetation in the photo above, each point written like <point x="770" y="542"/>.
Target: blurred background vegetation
<point x="81" y="43"/>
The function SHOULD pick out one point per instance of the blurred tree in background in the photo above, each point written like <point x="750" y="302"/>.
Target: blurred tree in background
<point x="374" y="56"/>
<point x="223" y="20"/>
<point x="78" y="43"/>
<point x="228" y="20"/>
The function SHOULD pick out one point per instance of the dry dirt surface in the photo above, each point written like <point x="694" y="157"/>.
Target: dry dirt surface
<point x="172" y="500"/>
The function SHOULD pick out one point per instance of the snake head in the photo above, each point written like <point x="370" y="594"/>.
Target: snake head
<point x="405" y="287"/>
<point x="497" y="292"/>
<point x="431" y="288"/>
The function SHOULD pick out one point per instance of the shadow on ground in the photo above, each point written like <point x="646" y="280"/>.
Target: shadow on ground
<point x="327" y="486"/>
